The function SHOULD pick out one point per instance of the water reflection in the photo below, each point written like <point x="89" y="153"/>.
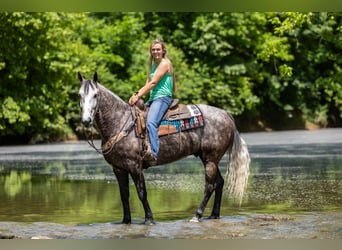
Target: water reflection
<point x="14" y="183"/>
<point x="293" y="178"/>
<point x="78" y="186"/>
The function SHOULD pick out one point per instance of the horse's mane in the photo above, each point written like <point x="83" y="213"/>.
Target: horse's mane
<point x="113" y="100"/>
<point x="112" y="108"/>
<point x="117" y="101"/>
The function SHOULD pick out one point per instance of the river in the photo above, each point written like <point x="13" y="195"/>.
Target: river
<point x="67" y="191"/>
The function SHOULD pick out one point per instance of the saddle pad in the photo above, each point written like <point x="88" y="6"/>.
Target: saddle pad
<point x="194" y="119"/>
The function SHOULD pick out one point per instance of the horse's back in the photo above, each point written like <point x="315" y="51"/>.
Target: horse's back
<point x="219" y="128"/>
<point x="216" y="120"/>
<point x="212" y="139"/>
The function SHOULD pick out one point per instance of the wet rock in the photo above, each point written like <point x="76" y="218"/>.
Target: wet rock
<point x="273" y="218"/>
<point x="40" y="238"/>
<point x="6" y="236"/>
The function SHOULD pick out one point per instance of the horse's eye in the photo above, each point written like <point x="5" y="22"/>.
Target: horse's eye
<point x="95" y="96"/>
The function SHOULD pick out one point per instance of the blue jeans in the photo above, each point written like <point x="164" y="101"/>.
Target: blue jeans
<point x="158" y="108"/>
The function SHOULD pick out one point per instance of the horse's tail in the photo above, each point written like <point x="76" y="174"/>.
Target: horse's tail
<point x="238" y="167"/>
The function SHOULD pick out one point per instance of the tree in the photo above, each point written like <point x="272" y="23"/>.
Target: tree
<point x="276" y="70"/>
<point x="37" y="55"/>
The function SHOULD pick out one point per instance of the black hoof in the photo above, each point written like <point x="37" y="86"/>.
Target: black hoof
<point x="214" y="217"/>
<point x="124" y="221"/>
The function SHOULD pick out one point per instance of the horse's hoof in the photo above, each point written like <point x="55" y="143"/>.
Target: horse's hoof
<point x="126" y="221"/>
<point x="149" y="222"/>
<point x="194" y="219"/>
<point x="214" y="217"/>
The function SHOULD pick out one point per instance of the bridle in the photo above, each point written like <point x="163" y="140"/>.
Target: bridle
<point x="111" y="142"/>
<point x="91" y="140"/>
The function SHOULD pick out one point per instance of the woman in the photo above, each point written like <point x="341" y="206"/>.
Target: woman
<point x="161" y="85"/>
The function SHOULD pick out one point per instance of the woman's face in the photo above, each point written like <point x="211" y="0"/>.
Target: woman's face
<point x="157" y="51"/>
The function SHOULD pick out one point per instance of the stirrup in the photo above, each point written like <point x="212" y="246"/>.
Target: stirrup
<point x="148" y="156"/>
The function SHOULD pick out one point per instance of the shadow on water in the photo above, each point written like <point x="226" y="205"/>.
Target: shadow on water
<point x="53" y="192"/>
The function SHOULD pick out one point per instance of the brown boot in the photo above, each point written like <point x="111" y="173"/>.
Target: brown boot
<point x="148" y="156"/>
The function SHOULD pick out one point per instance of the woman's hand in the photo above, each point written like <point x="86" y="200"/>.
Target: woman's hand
<point x="134" y="98"/>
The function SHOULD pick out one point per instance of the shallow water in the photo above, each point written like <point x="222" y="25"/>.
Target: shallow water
<point x="68" y="191"/>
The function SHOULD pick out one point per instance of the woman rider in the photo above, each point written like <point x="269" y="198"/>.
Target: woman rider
<point x="161" y="86"/>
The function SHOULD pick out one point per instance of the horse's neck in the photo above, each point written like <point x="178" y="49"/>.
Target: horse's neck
<point x="112" y="111"/>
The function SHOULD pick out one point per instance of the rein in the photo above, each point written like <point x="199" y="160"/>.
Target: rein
<point x="91" y="142"/>
<point x="108" y="146"/>
<point x="110" y="143"/>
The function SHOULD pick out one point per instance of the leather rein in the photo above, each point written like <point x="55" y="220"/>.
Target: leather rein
<point x="110" y="143"/>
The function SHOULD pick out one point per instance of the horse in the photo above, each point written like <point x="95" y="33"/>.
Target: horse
<point x="121" y="148"/>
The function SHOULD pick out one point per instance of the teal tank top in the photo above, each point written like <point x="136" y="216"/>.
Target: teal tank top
<point x="163" y="88"/>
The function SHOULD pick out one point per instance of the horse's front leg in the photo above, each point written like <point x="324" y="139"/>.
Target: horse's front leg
<point x="139" y="181"/>
<point x="122" y="177"/>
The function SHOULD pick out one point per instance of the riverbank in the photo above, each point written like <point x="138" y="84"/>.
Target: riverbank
<point x="331" y="135"/>
<point x="254" y="226"/>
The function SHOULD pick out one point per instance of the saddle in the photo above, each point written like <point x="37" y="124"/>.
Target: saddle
<point x="179" y="117"/>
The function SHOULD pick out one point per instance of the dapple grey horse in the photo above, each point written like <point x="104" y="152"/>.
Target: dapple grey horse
<point x="122" y="149"/>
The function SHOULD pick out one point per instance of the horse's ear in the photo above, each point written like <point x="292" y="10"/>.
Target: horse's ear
<point x="80" y="77"/>
<point x="95" y="77"/>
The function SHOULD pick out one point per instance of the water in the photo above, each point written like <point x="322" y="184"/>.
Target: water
<point x="67" y="190"/>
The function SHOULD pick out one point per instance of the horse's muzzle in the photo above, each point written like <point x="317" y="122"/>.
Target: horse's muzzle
<point x="87" y="122"/>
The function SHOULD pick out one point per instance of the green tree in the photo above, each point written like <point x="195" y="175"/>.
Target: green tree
<point x="319" y="68"/>
<point x="308" y="87"/>
<point x="38" y="55"/>
<point x="275" y="70"/>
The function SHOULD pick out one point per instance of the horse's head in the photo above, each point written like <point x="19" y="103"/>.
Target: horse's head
<point x="88" y="99"/>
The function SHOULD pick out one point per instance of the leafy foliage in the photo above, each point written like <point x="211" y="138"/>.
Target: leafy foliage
<point x="275" y="70"/>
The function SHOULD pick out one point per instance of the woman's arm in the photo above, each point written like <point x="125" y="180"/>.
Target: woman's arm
<point x="161" y="70"/>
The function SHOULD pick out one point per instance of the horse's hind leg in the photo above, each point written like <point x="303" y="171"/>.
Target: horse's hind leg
<point x="215" y="214"/>
<point x="213" y="182"/>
